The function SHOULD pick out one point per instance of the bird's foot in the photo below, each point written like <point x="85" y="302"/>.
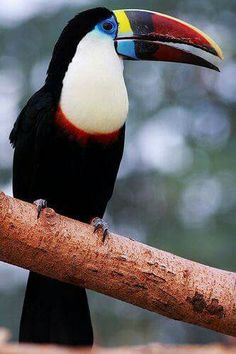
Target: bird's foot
<point x="40" y="204"/>
<point x="101" y="226"/>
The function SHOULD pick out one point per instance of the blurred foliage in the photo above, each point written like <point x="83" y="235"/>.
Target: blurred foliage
<point x="176" y="188"/>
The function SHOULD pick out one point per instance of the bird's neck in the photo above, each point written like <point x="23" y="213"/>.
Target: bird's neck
<point x="94" y="98"/>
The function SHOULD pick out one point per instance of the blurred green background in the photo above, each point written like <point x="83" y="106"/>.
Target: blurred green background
<point x="176" y="187"/>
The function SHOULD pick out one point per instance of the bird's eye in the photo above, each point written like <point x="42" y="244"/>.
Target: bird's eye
<point x="108" y="26"/>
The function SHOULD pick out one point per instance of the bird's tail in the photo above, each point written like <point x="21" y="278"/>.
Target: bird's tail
<point x="55" y="312"/>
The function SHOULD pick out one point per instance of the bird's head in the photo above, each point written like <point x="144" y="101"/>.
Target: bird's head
<point x="86" y="70"/>
<point x="136" y="35"/>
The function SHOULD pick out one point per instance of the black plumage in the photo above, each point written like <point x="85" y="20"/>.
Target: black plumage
<point x="76" y="179"/>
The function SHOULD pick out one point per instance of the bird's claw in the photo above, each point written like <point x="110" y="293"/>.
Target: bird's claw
<point x="40" y="204"/>
<point x="100" y="225"/>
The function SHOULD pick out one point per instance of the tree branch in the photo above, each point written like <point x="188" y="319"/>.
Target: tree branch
<point x="155" y="280"/>
<point x="149" y="349"/>
<point x="12" y="348"/>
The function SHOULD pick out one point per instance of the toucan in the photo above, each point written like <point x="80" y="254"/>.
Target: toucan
<point x="69" y="141"/>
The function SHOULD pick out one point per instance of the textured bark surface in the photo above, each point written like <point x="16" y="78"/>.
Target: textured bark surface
<point x="155" y="280"/>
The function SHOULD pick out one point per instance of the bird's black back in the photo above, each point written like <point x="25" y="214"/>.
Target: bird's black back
<point x="77" y="180"/>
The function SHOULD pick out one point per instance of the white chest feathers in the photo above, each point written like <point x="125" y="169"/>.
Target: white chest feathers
<point x="94" y="96"/>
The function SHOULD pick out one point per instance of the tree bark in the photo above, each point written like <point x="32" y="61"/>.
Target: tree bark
<point x="149" y="349"/>
<point x="9" y="348"/>
<point x="68" y="250"/>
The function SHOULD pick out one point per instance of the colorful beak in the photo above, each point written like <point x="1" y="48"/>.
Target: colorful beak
<point x="146" y="35"/>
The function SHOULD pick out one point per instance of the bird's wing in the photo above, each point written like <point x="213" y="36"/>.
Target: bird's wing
<point x="23" y="138"/>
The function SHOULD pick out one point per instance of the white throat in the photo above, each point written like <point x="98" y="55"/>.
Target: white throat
<point x="94" y="96"/>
